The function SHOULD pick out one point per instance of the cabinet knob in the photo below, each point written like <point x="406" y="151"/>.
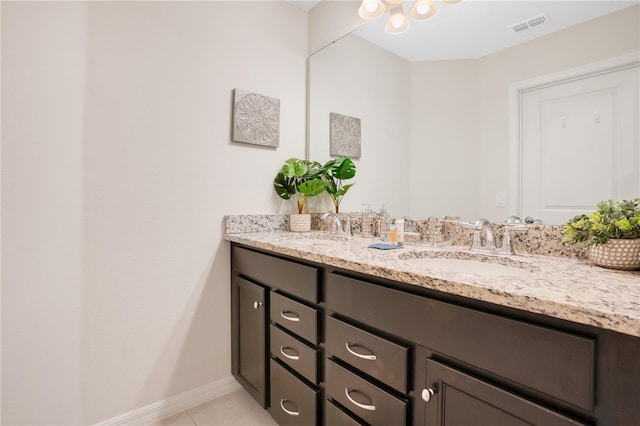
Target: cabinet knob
<point x="427" y="394"/>
<point x="256" y="304"/>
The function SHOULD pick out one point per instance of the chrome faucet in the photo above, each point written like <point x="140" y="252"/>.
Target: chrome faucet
<point x="337" y="223"/>
<point x="514" y="219"/>
<point x="480" y="243"/>
<point x="487" y="243"/>
<point x="507" y="246"/>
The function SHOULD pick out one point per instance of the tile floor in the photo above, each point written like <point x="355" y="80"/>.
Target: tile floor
<point x="234" y="409"/>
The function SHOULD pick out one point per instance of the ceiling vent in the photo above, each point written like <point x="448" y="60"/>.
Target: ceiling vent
<point x="530" y="23"/>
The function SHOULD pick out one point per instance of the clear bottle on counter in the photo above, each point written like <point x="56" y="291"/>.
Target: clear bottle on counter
<point x="400" y="232"/>
<point x="367" y="222"/>
<point x="383" y="212"/>
<point x="393" y="233"/>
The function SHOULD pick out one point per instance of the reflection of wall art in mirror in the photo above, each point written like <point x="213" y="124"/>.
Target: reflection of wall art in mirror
<point x="256" y="119"/>
<point x="345" y="136"/>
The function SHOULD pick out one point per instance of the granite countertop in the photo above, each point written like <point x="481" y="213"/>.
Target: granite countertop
<point x="570" y="289"/>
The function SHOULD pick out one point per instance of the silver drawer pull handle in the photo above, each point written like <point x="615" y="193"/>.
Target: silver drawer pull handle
<point x="289" y="412"/>
<point x="256" y="304"/>
<point x="354" y="353"/>
<point x="293" y="357"/>
<point x="289" y="317"/>
<point x="427" y="394"/>
<point x="363" y="406"/>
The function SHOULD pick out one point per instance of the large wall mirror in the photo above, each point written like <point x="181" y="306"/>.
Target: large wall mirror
<point x="436" y="133"/>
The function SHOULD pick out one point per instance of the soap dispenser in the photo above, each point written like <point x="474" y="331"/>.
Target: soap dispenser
<point x="383" y="212"/>
<point x="400" y="232"/>
<point x="367" y="222"/>
<point x="393" y="233"/>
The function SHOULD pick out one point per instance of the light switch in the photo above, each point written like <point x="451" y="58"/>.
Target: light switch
<point x="501" y="198"/>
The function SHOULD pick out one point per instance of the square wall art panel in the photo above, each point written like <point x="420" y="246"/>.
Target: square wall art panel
<point x="345" y="136"/>
<point x="256" y="118"/>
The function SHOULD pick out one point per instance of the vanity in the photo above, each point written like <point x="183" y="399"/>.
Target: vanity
<point x="330" y="332"/>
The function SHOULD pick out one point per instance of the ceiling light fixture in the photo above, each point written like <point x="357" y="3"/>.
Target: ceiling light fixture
<point x="398" y="22"/>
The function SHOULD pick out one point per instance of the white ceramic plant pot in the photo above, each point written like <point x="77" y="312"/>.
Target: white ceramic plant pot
<point x="617" y="254"/>
<point x="300" y="222"/>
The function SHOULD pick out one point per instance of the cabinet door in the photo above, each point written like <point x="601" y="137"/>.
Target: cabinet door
<point x="454" y="398"/>
<point x="248" y="322"/>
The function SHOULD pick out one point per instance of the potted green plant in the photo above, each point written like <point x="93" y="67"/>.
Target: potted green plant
<point x="299" y="179"/>
<point x="335" y="172"/>
<point x="612" y="234"/>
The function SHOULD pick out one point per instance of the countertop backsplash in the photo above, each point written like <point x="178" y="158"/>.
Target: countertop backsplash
<point x="538" y="239"/>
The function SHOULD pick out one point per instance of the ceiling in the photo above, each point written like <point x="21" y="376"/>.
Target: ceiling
<point x="305" y="4"/>
<point x="476" y="28"/>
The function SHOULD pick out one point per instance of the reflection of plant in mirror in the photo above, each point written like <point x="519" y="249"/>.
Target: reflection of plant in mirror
<point x="612" y="220"/>
<point x="335" y="172"/>
<point x="299" y="177"/>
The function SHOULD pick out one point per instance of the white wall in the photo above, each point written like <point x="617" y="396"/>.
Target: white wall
<point x="117" y="168"/>
<point x="383" y="169"/>
<point x="444" y="148"/>
<point x="43" y="75"/>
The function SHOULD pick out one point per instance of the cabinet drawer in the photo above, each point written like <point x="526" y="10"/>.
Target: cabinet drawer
<point x="372" y="404"/>
<point x="293" y="278"/>
<point x="294" y="316"/>
<point x="554" y="362"/>
<point x="294" y="353"/>
<point x="334" y="416"/>
<point x="378" y="357"/>
<point x="292" y="402"/>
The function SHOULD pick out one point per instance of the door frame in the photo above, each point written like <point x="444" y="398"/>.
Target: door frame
<point x="516" y="92"/>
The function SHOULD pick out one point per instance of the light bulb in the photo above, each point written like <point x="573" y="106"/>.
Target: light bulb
<point x="371" y="9"/>
<point x="397" y="22"/>
<point x="423" y="9"/>
<point x="370" y="5"/>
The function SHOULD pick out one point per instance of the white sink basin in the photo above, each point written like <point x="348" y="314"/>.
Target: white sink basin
<point x="468" y="263"/>
<point x="468" y="267"/>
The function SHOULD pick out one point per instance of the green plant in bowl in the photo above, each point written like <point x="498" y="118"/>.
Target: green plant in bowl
<point x="335" y="172"/>
<point x="299" y="179"/>
<point x="611" y="221"/>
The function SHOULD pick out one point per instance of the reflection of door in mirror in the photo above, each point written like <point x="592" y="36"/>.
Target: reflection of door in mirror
<point x="580" y="145"/>
<point x="437" y="134"/>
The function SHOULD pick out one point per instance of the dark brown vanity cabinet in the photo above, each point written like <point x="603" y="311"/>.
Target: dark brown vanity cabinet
<point x="366" y="374"/>
<point x="275" y="324"/>
<point x="294" y="363"/>
<point x="457" y="398"/>
<point x="319" y="345"/>
<point x="473" y="363"/>
<point x="248" y="346"/>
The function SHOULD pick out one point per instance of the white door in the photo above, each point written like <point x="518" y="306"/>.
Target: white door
<point x="580" y="145"/>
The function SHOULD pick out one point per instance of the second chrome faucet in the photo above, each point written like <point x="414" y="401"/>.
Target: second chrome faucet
<point x="337" y="223"/>
<point x="484" y="239"/>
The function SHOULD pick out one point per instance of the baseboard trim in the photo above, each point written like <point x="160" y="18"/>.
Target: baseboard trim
<point x="174" y="405"/>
